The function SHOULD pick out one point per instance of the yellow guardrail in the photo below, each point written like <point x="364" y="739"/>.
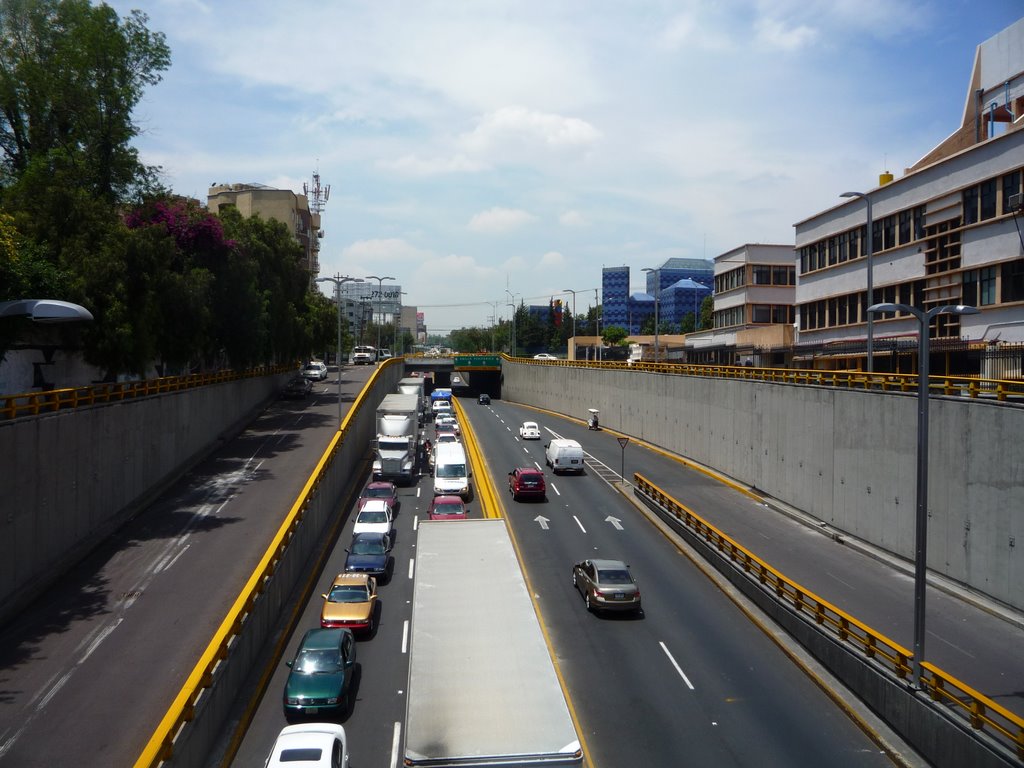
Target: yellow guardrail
<point x="980" y="711"/>
<point x="973" y="387"/>
<point x="37" y="403"/>
<point x="481" y="477"/>
<point x="161" y="744"/>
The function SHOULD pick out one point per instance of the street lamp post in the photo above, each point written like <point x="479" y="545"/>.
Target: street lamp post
<point x="597" y="324"/>
<point x="338" y="280"/>
<point x="570" y="290"/>
<point x="657" y="292"/>
<point x="380" y="314"/>
<point x="513" y="305"/>
<point x="868" y="252"/>
<point x="924" y="319"/>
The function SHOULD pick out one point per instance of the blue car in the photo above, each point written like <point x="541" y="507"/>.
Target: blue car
<point x="369" y="553"/>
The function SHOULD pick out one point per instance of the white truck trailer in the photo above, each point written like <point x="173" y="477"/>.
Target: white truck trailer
<point x="413" y="385"/>
<point x="397" y="434"/>
<point x="482" y="687"/>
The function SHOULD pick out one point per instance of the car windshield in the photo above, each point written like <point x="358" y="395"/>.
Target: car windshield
<point x="372" y="516"/>
<point x="377" y="493"/>
<point x="451" y="470"/>
<point x="368" y="547"/>
<point x="448" y="508"/>
<point x="319" y="661"/>
<point x="614" y="576"/>
<point x="348" y="593"/>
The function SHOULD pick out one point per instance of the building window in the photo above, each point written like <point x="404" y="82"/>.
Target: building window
<point x="762" y="275"/>
<point x="855" y="235"/>
<point x="889" y="232"/>
<point x="844" y="247"/>
<point x="979" y="287"/>
<point x="918" y="214"/>
<point x="1013" y="281"/>
<point x="876" y="236"/>
<point x="970" y="205"/>
<point x="1011" y="186"/>
<point x="780" y="275"/>
<point x="988" y="199"/>
<point x="905" y="231"/>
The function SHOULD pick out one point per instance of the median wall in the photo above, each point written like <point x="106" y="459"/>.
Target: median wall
<point x="847" y="457"/>
<point x="70" y="478"/>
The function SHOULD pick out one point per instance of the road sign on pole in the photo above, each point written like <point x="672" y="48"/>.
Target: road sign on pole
<point x="623" y="442"/>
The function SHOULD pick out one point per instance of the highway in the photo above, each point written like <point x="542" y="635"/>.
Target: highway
<point x="692" y="680"/>
<point x="91" y="667"/>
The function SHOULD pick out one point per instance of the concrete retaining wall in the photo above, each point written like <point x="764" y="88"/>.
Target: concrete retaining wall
<point x="69" y="479"/>
<point x="847" y="457"/>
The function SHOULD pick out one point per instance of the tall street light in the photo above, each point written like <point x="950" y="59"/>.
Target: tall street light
<point x="597" y="324"/>
<point x="924" y="319"/>
<point x="868" y="252"/>
<point x="338" y="280"/>
<point x="45" y="310"/>
<point x="513" y="305"/>
<point x="570" y="290"/>
<point x="380" y="314"/>
<point x="657" y="292"/>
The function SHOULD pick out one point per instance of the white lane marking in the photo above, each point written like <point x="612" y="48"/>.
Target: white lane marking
<point x="615" y="522"/>
<point x="173" y="560"/>
<point x="555" y="489"/>
<point x="952" y="645"/>
<point x="538" y="466"/>
<point x="848" y="584"/>
<point x="415" y="522"/>
<point x="100" y="638"/>
<point x="412" y="565"/>
<point x="395" y="740"/>
<point x="527" y="451"/>
<point x="417" y="491"/>
<point x="405" y="637"/>
<point x="53" y="691"/>
<point x="676" y="665"/>
<point x="579" y="523"/>
<point x="543" y="522"/>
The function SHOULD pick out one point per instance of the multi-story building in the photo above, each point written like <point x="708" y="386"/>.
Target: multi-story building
<point x="280" y="204"/>
<point x="615" y="288"/>
<point x="947" y="232"/>
<point x="680" y="286"/>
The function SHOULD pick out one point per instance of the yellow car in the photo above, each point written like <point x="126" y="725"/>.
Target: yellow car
<point x="351" y="603"/>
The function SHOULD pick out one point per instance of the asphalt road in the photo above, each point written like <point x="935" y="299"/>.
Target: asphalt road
<point x="692" y="680"/>
<point x="89" y="670"/>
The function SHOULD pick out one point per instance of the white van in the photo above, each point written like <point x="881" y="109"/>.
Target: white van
<point x="564" y="456"/>
<point x="451" y="470"/>
<point x="364" y="355"/>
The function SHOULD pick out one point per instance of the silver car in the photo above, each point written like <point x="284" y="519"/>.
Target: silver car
<point x="606" y="585"/>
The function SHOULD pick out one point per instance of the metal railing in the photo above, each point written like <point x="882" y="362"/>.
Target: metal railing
<point x="981" y="712"/>
<point x="51" y="401"/>
<point x="973" y="387"/>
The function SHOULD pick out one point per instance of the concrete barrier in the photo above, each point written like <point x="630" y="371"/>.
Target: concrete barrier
<point x="846" y="457"/>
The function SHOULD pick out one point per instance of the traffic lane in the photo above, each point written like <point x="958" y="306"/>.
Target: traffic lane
<point x="970" y="643"/>
<point x="382" y="657"/>
<point x="126" y="619"/>
<point x="639" y="688"/>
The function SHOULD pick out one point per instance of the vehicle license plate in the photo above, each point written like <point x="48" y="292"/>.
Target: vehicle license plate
<point x="620" y="596"/>
<point x="311" y="710"/>
<point x="573" y="461"/>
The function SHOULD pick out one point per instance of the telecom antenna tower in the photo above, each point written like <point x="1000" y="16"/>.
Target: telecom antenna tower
<point x="317" y="195"/>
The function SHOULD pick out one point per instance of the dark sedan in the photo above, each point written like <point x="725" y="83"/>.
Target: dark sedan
<point x="369" y="553"/>
<point x="606" y="585"/>
<point x="297" y="388"/>
<point x="320" y="681"/>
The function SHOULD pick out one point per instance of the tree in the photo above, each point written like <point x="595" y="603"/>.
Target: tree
<point x="70" y="75"/>
<point x="614" y="335"/>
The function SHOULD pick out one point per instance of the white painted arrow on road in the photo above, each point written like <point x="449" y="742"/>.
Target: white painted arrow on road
<point x="614" y="521"/>
<point x="543" y="521"/>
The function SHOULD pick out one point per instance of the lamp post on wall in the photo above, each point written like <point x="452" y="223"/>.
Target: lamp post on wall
<point x="657" y="292"/>
<point x="868" y="252"/>
<point x="338" y="280"/>
<point x="570" y="290"/>
<point x="380" y="314"/>
<point x="924" y="319"/>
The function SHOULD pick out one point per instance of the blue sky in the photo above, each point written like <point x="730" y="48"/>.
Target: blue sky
<point x="478" y="147"/>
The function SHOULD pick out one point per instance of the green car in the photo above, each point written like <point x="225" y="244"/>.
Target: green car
<point x="320" y="683"/>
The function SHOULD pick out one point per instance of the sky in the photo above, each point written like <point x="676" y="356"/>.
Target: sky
<point x="499" y="151"/>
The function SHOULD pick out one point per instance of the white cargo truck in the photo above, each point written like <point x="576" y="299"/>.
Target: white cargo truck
<point x="397" y="434"/>
<point x="482" y="687"/>
<point x="413" y="385"/>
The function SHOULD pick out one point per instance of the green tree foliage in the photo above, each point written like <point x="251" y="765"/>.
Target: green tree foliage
<point x="614" y="335"/>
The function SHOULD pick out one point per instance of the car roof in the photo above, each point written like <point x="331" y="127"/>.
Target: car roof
<point x="351" y="578"/>
<point x="368" y="535"/>
<point x="375" y="505"/>
<point x="528" y="470"/>
<point x="380" y="484"/>
<point x="607" y="565"/>
<point x="447" y="499"/>
<point x="322" y="638"/>
<point x="529" y="423"/>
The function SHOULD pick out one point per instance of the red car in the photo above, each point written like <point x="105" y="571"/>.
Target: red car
<point x="380" y="489"/>
<point x="447" y="508"/>
<point x="527" y="483"/>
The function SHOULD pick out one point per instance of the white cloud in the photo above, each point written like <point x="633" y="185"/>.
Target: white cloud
<point x="500" y="220"/>
<point x="416" y="166"/>
<point x="518" y="126"/>
<point x="552" y="259"/>
<point x="774" y="34"/>
<point x="573" y="219"/>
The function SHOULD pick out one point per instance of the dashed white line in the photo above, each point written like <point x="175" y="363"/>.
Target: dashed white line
<point x="579" y="523"/>
<point x="405" y="636"/>
<point x="678" y="668"/>
<point x="555" y="489"/>
<point x="395" y="741"/>
<point x="412" y="565"/>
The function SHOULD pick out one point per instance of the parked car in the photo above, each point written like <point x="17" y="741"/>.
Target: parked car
<point x="315" y="371"/>
<point x="320" y="681"/>
<point x="528" y="483"/>
<point x="484" y="399"/>
<point x="374" y="516"/>
<point x="544" y="356"/>
<point x="350" y="603"/>
<point x="315" y="745"/>
<point x="606" y="585"/>
<point x="369" y="553"/>
<point x="447" y="508"/>
<point x="380" y="489"/>
<point x="297" y="388"/>
<point x="529" y="431"/>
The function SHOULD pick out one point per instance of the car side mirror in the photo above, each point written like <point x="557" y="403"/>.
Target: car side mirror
<point x="324" y="596"/>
